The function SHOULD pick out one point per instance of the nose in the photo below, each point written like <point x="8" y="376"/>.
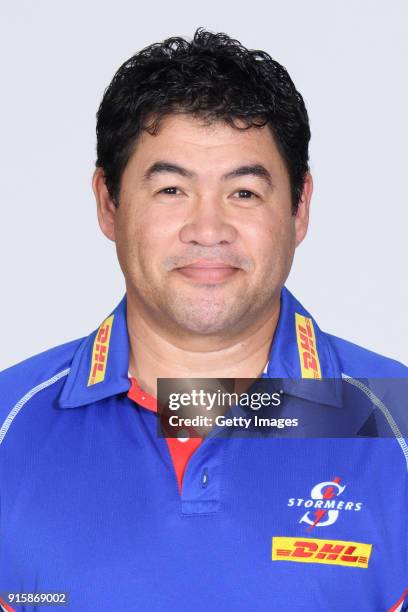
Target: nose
<point x="207" y="224"/>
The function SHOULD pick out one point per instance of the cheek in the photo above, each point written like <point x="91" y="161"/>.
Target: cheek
<point x="272" y="245"/>
<point x="144" y="240"/>
<point x="128" y="241"/>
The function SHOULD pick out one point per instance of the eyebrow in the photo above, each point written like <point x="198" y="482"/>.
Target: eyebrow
<point x="163" y="166"/>
<point x="253" y="170"/>
<point x="257" y="170"/>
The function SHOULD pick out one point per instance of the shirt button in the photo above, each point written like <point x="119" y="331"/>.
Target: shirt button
<point x="204" y="477"/>
<point x="180" y="436"/>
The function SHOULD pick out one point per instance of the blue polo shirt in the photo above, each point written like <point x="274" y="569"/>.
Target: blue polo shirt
<point x="91" y="503"/>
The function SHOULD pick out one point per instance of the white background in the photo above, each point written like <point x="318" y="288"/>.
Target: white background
<point x="59" y="274"/>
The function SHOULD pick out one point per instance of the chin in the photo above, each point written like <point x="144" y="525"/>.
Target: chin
<point x="203" y="329"/>
<point x="199" y="323"/>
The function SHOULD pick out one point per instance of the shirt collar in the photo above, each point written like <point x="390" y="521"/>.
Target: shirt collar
<point x="100" y="365"/>
<point x="298" y="347"/>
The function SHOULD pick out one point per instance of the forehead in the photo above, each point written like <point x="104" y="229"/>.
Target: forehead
<point x="190" y="141"/>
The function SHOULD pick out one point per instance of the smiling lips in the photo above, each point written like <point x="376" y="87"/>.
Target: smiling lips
<point x="208" y="271"/>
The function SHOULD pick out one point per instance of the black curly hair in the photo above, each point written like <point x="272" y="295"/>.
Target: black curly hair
<point x="213" y="77"/>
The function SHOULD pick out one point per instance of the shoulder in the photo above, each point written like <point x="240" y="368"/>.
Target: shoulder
<point x="358" y="361"/>
<point x="35" y="373"/>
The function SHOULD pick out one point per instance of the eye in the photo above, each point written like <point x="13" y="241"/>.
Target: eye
<point x="245" y="194"/>
<point x="170" y="191"/>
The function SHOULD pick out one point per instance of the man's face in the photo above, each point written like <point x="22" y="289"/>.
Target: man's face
<point x="204" y="230"/>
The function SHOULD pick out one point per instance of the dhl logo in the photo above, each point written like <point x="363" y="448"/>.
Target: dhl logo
<point x="313" y="550"/>
<point x="100" y="352"/>
<point x="306" y="340"/>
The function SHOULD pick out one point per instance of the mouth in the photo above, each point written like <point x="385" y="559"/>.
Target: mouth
<point x="208" y="272"/>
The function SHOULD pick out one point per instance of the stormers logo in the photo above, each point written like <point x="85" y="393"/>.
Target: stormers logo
<point x="306" y="340"/>
<point x="325" y="507"/>
<point x="100" y="352"/>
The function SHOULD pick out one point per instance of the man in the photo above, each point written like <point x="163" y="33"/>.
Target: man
<point x="202" y="182"/>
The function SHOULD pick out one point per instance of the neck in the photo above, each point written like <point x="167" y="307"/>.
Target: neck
<point x="158" y="352"/>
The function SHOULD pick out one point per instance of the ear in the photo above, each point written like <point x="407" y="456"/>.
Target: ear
<point x="302" y="213"/>
<point x="106" y="209"/>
